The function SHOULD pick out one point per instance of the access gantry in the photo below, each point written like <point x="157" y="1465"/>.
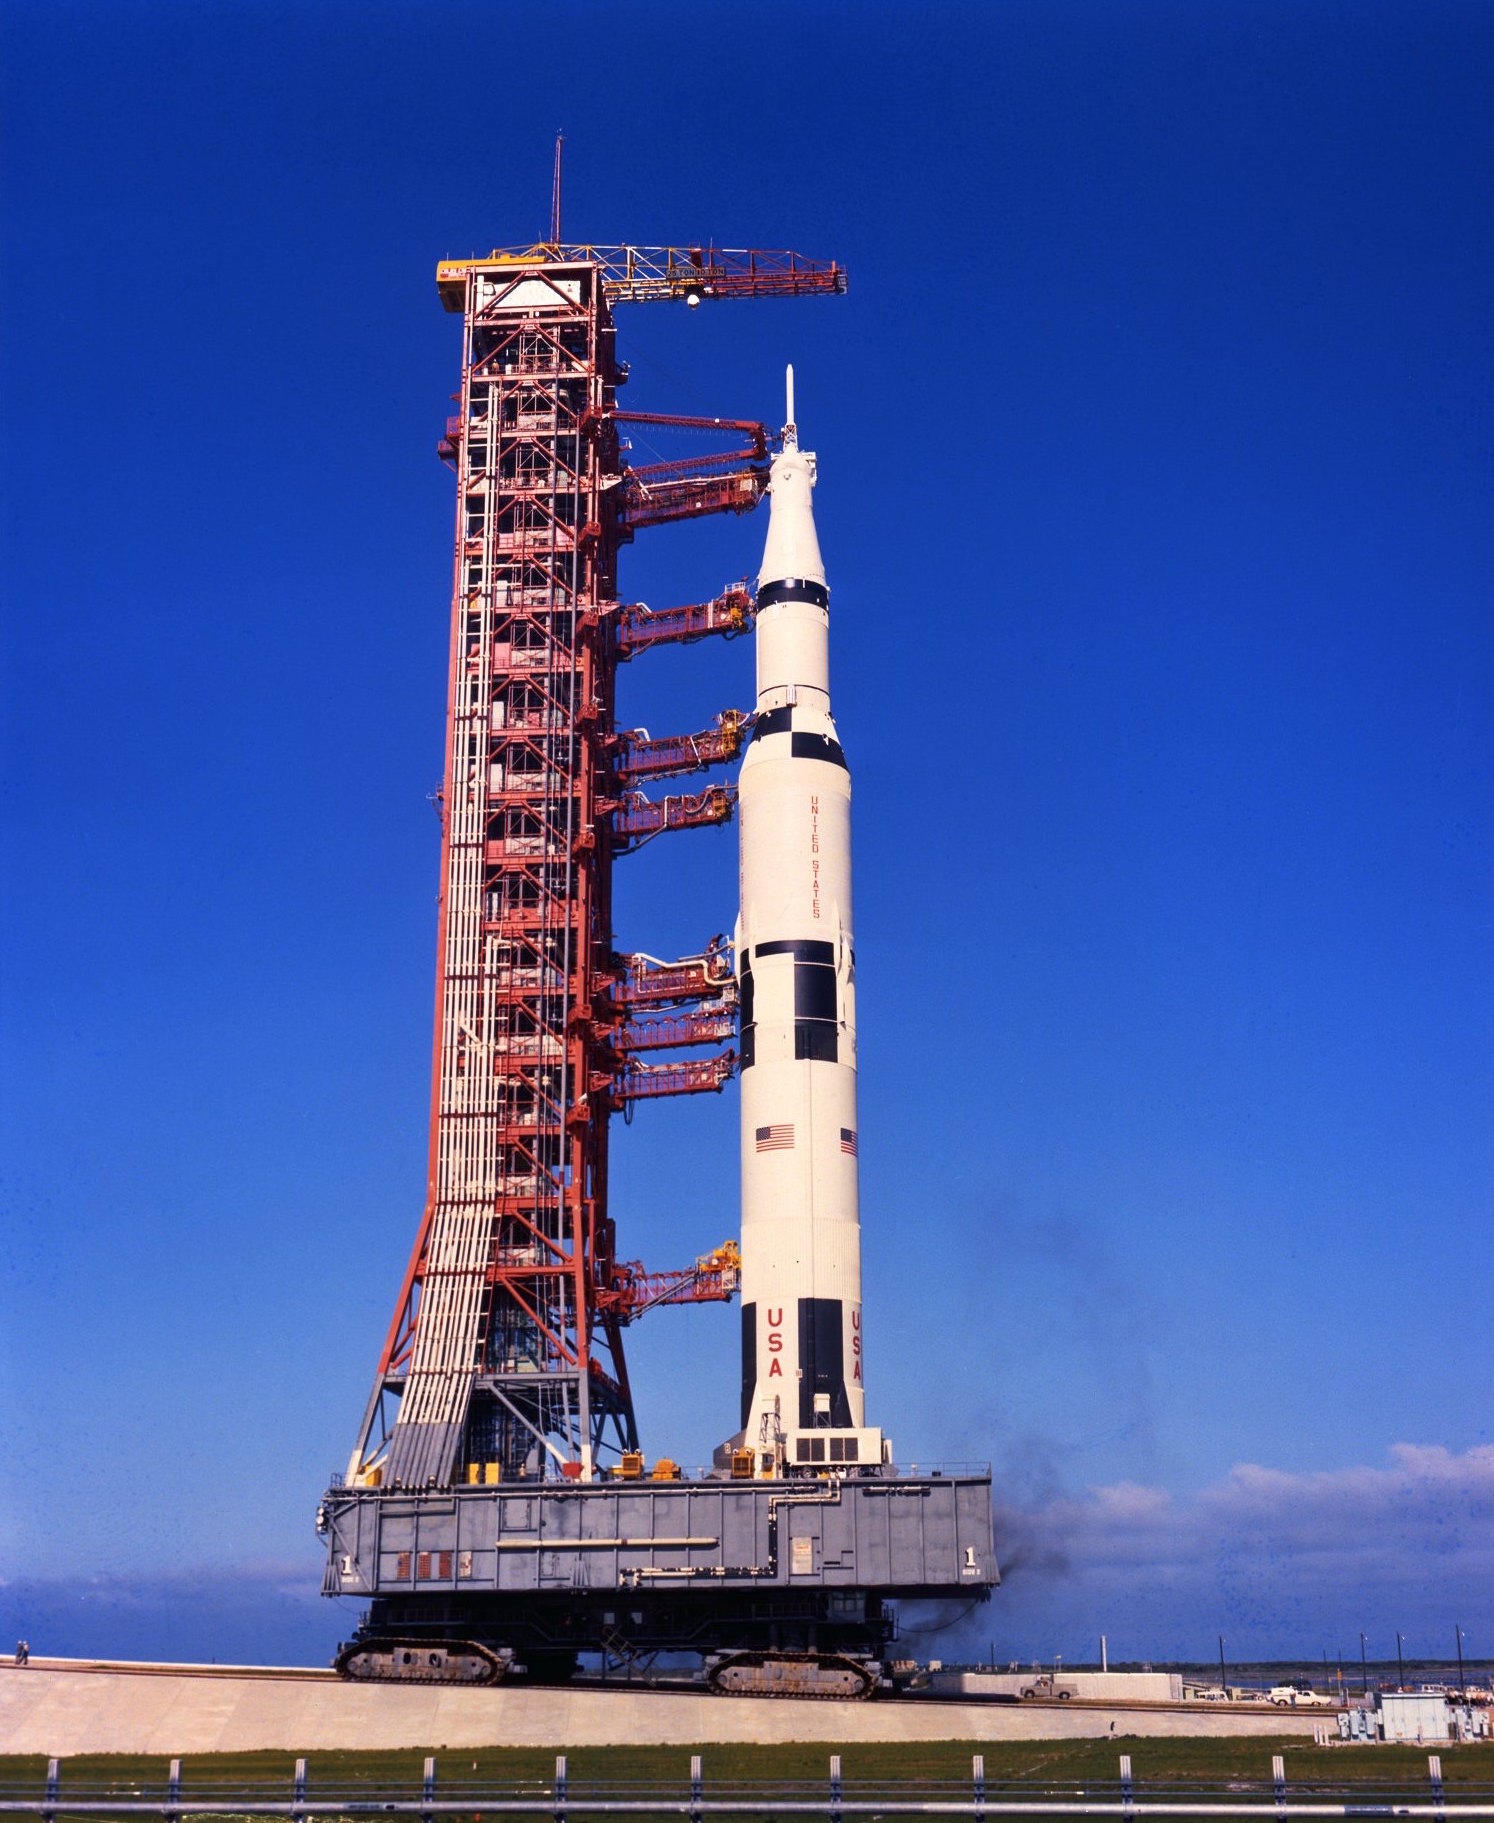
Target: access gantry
<point x="504" y="1360"/>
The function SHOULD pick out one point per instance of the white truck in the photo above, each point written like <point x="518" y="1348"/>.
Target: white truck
<point x="1047" y="1686"/>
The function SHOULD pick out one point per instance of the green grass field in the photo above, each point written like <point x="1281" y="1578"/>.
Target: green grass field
<point x="1157" y="1764"/>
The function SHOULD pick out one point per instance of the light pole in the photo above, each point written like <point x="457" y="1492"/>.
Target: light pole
<point x="1462" y="1687"/>
<point x="1363" y="1669"/>
<point x="1400" y="1665"/>
<point x="1223" y="1681"/>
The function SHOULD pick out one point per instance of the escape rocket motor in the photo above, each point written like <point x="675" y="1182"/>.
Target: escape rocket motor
<point x="803" y="1345"/>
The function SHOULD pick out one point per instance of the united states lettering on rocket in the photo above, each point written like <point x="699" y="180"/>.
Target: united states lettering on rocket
<point x="803" y="1355"/>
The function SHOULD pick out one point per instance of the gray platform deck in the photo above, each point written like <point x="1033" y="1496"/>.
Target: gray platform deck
<point x="894" y="1534"/>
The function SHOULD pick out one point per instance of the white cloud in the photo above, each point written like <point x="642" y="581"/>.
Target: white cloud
<point x="1430" y="1500"/>
<point x="1274" y="1557"/>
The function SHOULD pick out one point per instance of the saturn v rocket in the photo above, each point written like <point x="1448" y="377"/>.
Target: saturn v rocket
<point x="803" y="1344"/>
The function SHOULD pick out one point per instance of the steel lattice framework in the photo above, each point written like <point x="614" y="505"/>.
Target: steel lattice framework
<point x="504" y="1359"/>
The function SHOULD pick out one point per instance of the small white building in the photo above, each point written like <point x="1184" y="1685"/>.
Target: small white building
<point x="1414" y="1715"/>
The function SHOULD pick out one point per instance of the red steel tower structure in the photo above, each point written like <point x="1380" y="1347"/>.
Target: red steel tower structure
<point x="504" y="1359"/>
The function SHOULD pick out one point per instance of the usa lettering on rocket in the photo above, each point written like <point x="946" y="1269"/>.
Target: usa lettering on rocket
<point x="803" y="1401"/>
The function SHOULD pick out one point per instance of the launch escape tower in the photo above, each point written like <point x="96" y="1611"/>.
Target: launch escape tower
<point x="496" y="1507"/>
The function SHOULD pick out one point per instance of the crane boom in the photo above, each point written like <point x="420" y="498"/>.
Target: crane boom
<point x="640" y="275"/>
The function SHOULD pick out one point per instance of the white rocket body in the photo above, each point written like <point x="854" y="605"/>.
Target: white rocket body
<point x="803" y="1344"/>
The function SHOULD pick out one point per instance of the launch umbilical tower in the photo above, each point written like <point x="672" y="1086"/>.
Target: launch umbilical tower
<point x="505" y="1354"/>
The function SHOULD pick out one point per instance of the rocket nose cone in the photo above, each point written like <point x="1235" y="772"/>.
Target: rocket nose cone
<point x="793" y="547"/>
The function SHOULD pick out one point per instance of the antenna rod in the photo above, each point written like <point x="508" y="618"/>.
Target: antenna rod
<point x="555" y="194"/>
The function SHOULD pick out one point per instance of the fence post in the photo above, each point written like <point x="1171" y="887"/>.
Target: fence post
<point x="1434" y="1773"/>
<point x="54" y="1780"/>
<point x="696" y="1788"/>
<point x="978" y="1778"/>
<point x="1279" y="1782"/>
<point x="835" y="1790"/>
<point x="173" y="1790"/>
<point x="1128" y="1790"/>
<point x="428" y="1790"/>
<point x="560" y="1788"/>
<point x="298" y="1792"/>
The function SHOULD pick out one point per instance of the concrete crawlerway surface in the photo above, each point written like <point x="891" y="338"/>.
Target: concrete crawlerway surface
<point x="66" y="1707"/>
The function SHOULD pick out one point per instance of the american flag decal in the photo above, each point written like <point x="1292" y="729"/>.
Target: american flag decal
<point x="848" y="1141"/>
<point x="776" y="1139"/>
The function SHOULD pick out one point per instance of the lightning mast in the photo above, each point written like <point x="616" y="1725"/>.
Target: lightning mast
<point x="504" y="1359"/>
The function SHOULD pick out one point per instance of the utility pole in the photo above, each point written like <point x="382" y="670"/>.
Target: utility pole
<point x="1222" y="1681"/>
<point x="1462" y="1687"/>
<point x="1400" y="1665"/>
<point x="1363" y="1668"/>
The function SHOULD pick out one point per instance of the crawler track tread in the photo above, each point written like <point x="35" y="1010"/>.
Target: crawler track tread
<point x="792" y="1674"/>
<point x="462" y="1663"/>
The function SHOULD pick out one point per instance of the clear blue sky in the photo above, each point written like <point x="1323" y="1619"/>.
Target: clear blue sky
<point x="1157" y="463"/>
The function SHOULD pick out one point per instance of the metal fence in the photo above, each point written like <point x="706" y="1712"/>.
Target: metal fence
<point x="834" y="1798"/>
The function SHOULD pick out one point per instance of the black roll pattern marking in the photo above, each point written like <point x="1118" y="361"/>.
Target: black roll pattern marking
<point x="746" y="1019"/>
<point x="793" y="588"/>
<point x="818" y="747"/>
<point x="822" y="1361"/>
<point x="749" y="1359"/>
